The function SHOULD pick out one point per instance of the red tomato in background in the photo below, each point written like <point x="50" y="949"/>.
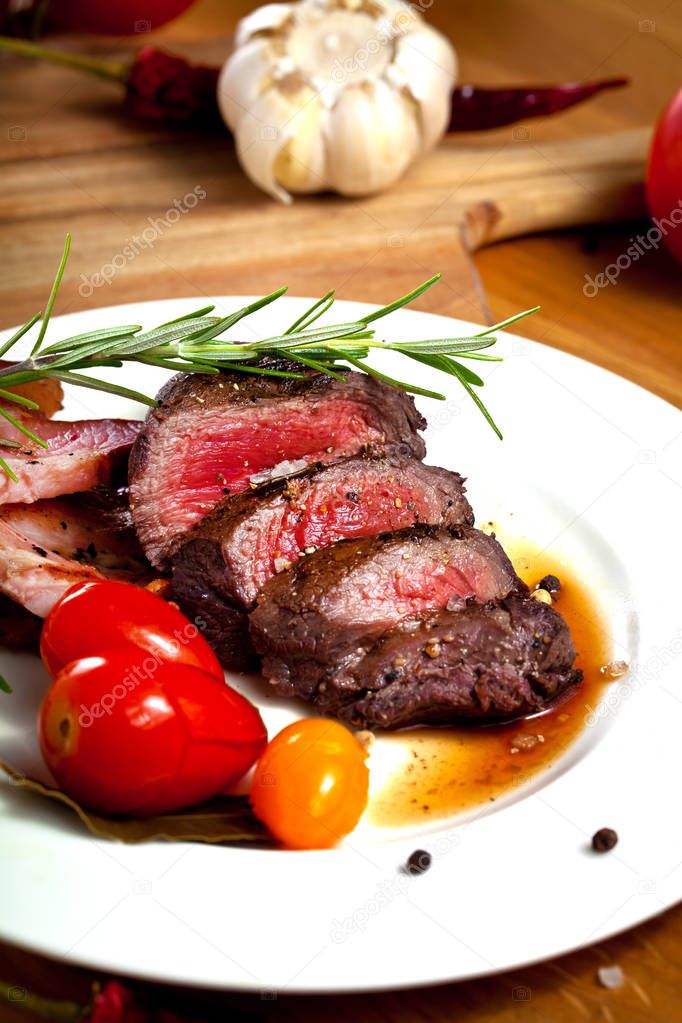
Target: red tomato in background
<point x="123" y="17"/>
<point x="96" y="615"/>
<point x="664" y="175"/>
<point x="123" y="736"/>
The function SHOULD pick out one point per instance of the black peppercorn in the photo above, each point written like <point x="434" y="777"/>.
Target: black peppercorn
<point x="604" y="840"/>
<point x="550" y="583"/>
<point x="418" y="862"/>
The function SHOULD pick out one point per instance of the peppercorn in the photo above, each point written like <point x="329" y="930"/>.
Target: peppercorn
<point x="604" y="840"/>
<point x="419" y="862"/>
<point x="550" y="583"/>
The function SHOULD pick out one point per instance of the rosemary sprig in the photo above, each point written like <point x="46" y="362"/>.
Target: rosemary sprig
<point x="195" y="343"/>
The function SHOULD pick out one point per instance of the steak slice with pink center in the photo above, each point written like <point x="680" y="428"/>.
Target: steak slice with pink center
<point x="326" y="613"/>
<point x="219" y="435"/>
<point x="230" y="555"/>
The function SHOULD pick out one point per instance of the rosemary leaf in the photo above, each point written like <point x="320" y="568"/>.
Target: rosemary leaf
<point x="92" y="335"/>
<point x="5" y="468"/>
<point x="448" y="365"/>
<point x="475" y="398"/>
<point x="254" y="307"/>
<point x="19" y="334"/>
<point x="284" y="341"/>
<point x="200" y="353"/>
<point x="195" y="343"/>
<point x="481" y="356"/>
<point x="261" y="371"/>
<point x="442" y="346"/>
<point x="321" y="367"/>
<point x="178" y="332"/>
<point x="316" y="310"/>
<point x="229" y="321"/>
<point x="405" y="300"/>
<point x="474" y="379"/>
<point x="508" y="322"/>
<point x="19" y="399"/>
<point x="22" y="429"/>
<point x="413" y="389"/>
<point x="53" y="295"/>
<point x="103" y="385"/>
<point x="5" y="687"/>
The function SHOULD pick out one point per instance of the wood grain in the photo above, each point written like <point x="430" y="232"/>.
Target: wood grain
<point x="81" y="165"/>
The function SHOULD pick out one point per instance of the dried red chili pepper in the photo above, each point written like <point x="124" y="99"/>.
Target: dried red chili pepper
<point x="475" y="108"/>
<point x="163" y="87"/>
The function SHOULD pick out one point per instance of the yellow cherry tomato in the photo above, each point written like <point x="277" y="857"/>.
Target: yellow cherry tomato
<point x="311" y="784"/>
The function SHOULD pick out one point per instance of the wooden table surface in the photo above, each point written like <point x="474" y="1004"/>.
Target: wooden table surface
<point x="71" y="161"/>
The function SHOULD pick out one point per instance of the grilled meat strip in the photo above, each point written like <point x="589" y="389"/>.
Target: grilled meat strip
<point x="79" y="456"/>
<point x="48" y="546"/>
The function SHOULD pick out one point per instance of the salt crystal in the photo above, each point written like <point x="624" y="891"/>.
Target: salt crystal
<point x="611" y="977"/>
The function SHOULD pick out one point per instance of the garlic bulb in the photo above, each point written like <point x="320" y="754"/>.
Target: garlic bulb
<point x="335" y="94"/>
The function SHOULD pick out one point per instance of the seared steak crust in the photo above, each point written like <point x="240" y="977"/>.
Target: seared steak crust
<point x="325" y="614"/>
<point x="245" y="540"/>
<point x="217" y="435"/>
<point x="497" y="661"/>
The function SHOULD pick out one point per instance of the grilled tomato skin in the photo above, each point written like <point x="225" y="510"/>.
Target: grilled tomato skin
<point x="311" y="784"/>
<point x="103" y="614"/>
<point x="125" y="733"/>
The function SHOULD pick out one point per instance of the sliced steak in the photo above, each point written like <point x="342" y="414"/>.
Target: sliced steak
<point x="79" y="456"/>
<point x="48" y="546"/>
<point x="329" y="610"/>
<point x="230" y="555"/>
<point x="497" y="661"/>
<point x="218" y="435"/>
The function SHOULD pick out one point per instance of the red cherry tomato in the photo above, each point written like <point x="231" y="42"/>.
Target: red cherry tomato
<point x="125" y="17"/>
<point x="664" y="176"/>
<point x="125" y="733"/>
<point x="310" y="786"/>
<point x="99" y="614"/>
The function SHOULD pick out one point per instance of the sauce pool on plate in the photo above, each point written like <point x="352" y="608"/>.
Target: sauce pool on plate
<point x="449" y="770"/>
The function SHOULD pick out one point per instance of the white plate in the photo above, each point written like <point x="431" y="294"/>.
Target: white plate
<point x="590" y="468"/>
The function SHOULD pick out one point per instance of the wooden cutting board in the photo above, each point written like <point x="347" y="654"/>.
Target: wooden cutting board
<point x="76" y="163"/>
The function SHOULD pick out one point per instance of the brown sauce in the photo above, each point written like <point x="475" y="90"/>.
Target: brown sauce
<point x="446" y="771"/>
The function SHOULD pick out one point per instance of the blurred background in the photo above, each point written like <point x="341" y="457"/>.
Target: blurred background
<point x="74" y="159"/>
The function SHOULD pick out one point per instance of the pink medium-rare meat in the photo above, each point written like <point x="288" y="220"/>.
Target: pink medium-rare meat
<point x="265" y="531"/>
<point x="330" y="608"/>
<point x="79" y="456"/>
<point x="230" y="555"/>
<point x="50" y="545"/>
<point x="221" y="435"/>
